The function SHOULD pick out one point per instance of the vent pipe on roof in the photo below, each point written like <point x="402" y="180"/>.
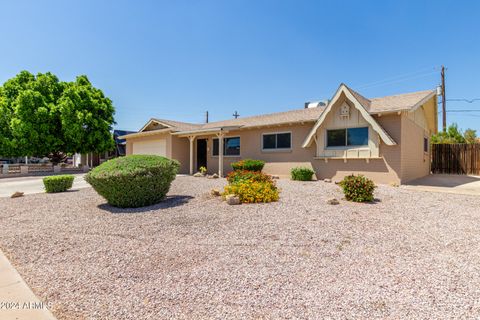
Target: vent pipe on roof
<point x="206" y="116"/>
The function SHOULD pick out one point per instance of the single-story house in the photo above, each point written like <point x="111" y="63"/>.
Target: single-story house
<point x="385" y="139"/>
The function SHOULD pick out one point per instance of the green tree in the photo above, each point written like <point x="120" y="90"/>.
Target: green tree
<point x="43" y="116"/>
<point x="451" y="135"/>
<point x="470" y="136"/>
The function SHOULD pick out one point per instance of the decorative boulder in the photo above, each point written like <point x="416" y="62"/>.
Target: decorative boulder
<point x="215" y="192"/>
<point x="333" y="201"/>
<point x="198" y="174"/>
<point x="17" y="194"/>
<point x="232" y="199"/>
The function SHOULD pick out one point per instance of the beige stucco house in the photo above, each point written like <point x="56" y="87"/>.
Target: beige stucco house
<point x="386" y="139"/>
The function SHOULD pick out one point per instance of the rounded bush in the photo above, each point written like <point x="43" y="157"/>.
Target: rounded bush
<point x="58" y="183"/>
<point x="302" y="174"/>
<point x="133" y="181"/>
<point x="358" y="188"/>
<point x="249" y="165"/>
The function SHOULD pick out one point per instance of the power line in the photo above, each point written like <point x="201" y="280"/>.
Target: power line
<point x="465" y="100"/>
<point x="395" y="80"/>
<point x="464" y="110"/>
<point x="464" y="114"/>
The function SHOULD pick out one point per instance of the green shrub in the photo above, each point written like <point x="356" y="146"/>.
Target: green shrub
<point x="358" y="188"/>
<point x="133" y="181"/>
<point x="58" y="183"/>
<point x="253" y="191"/>
<point x="243" y="175"/>
<point x="249" y="165"/>
<point x="302" y="174"/>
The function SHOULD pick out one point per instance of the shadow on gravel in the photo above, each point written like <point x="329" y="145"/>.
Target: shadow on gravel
<point x="169" y="202"/>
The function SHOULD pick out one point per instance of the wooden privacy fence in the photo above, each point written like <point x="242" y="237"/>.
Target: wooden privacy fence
<point x="456" y="158"/>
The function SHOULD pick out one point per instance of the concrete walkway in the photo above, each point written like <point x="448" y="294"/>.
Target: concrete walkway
<point x="17" y="301"/>
<point x="30" y="185"/>
<point x="447" y="183"/>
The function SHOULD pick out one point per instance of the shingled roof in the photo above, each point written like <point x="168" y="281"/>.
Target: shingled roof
<point x="399" y="102"/>
<point x="394" y="103"/>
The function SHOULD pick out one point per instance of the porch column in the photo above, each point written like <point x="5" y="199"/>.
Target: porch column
<point x="220" y="153"/>
<point x="191" y="139"/>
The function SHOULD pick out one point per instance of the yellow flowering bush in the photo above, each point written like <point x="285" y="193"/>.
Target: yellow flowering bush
<point x="253" y="191"/>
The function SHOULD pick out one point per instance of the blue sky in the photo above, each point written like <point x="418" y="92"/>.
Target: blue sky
<point x="176" y="59"/>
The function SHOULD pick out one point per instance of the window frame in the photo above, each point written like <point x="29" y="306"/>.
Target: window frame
<point x="224" y="155"/>
<point x="346" y="146"/>
<point x="276" y="149"/>
<point x="426" y="143"/>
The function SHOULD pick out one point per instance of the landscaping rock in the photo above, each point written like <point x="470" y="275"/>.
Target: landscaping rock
<point x="394" y="184"/>
<point x="17" y="194"/>
<point x="333" y="201"/>
<point x="327" y="180"/>
<point x="232" y="199"/>
<point x="215" y="176"/>
<point x="275" y="177"/>
<point x="198" y="174"/>
<point x="215" y="192"/>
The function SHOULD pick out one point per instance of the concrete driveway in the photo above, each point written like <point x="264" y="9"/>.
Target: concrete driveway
<point x="448" y="183"/>
<point x="30" y="185"/>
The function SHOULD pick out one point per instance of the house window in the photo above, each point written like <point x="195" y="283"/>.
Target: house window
<point x="231" y="146"/>
<point x="425" y="144"/>
<point x="276" y="141"/>
<point x="349" y="137"/>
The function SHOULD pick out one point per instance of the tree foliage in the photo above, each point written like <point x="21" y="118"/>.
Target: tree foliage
<point x="470" y="136"/>
<point x="454" y="135"/>
<point x="43" y="116"/>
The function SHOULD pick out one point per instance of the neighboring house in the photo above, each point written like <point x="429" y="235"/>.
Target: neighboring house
<point x="386" y="139"/>
<point x="93" y="159"/>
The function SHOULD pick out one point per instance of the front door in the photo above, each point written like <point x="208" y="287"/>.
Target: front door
<point x="201" y="153"/>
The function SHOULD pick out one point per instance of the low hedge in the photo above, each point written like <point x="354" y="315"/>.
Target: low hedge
<point x="134" y="181"/>
<point x="244" y="175"/>
<point x="302" y="174"/>
<point x="58" y="183"/>
<point x="358" y="188"/>
<point x="248" y="164"/>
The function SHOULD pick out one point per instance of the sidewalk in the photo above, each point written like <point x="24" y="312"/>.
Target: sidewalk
<point x="17" y="301"/>
<point x="31" y="185"/>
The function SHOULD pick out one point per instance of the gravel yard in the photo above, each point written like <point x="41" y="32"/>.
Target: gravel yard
<point x="409" y="255"/>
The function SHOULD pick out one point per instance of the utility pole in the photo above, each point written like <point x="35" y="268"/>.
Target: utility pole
<point x="206" y="116"/>
<point x="236" y="115"/>
<point x="444" y="101"/>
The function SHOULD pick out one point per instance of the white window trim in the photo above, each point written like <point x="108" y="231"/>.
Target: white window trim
<point x="276" y="149"/>
<point x="361" y="147"/>
<point x="228" y="156"/>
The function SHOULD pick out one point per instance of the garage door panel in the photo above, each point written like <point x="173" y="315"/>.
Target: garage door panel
<point x="154" y="147"/>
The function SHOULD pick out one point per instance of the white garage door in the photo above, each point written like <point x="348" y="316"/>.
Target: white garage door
<point x="156" y="147"/>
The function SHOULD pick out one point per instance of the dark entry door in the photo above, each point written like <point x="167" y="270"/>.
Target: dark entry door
<point x="201" y="153"/>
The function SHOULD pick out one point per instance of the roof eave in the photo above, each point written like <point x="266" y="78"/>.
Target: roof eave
<point x="145" y="133"/>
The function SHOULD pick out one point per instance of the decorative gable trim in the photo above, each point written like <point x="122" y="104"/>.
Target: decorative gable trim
<point x="375" y="125"/>
<point x="154" y="121"/>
